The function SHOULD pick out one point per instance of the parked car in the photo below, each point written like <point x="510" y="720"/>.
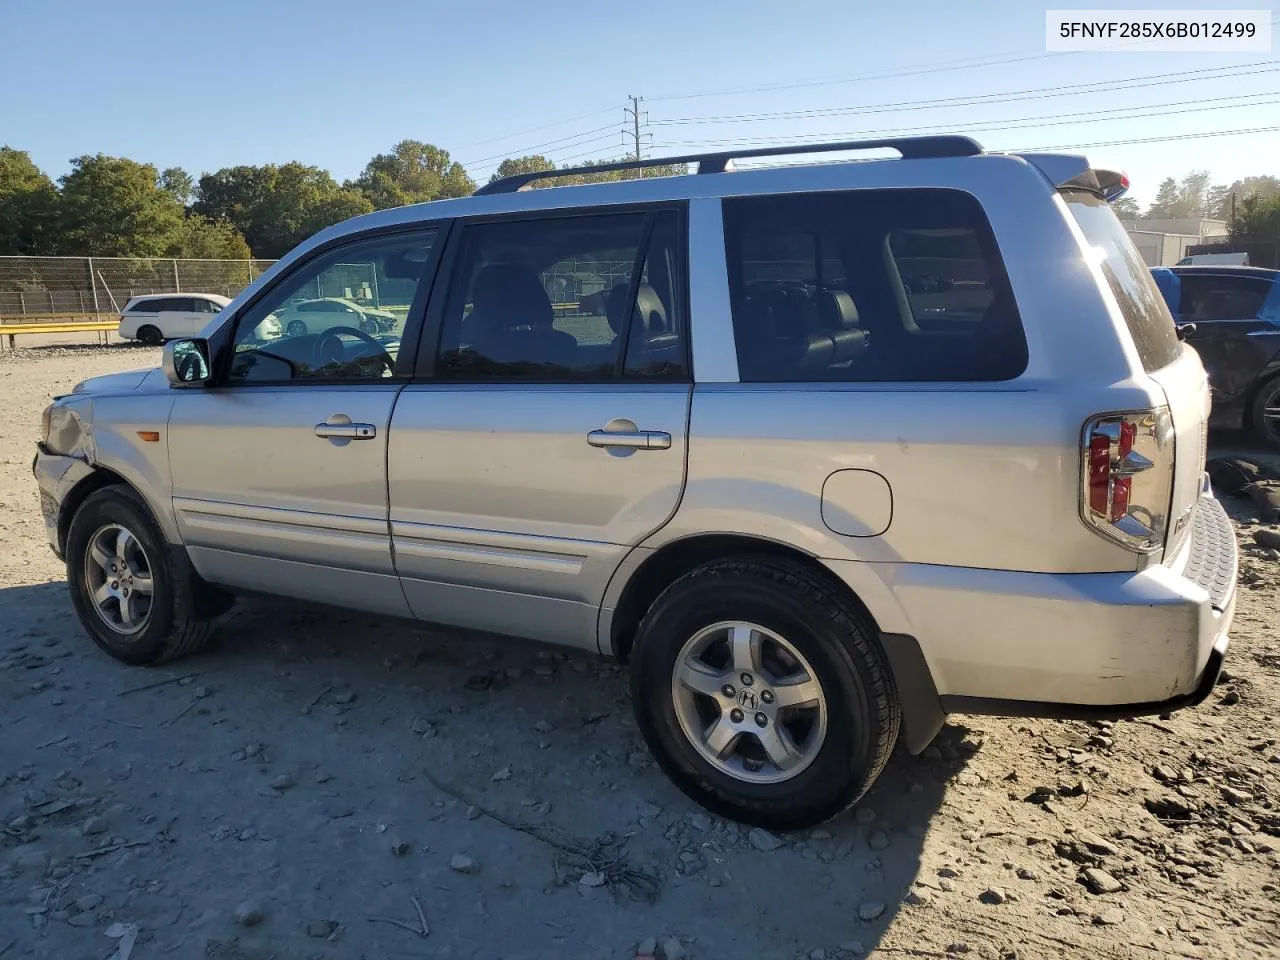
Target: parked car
<point x="154" y="319"/>
<point x="1215" y="260"/>
<point x="1231" y="315"/>
<point x="810" y="523"/>
<point x="157" y="318"/>
<point x="301" y="317"/>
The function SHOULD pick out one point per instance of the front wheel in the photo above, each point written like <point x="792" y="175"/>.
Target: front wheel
<point x="135" y="601"/>
<point x="763" y="693"/>
<point x="1266" y="413"/>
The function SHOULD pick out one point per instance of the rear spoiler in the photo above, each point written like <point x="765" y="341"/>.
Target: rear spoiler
<point x="1070" y="171"/>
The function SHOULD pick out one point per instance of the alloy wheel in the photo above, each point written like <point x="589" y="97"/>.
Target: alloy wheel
<point x="749" y="702"/>
<point x="117" y="578"/>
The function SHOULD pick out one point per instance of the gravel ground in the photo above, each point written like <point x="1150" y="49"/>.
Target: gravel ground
<point x="329" y="784"/>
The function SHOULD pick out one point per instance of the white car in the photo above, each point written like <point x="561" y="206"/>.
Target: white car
<point x="302" y="317"/>
<point x="155" y="319"/>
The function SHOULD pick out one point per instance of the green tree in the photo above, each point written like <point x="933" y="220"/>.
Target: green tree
<point x="1193" y="194"/>
<point x="1264" y="187"/>
<point x="276" y="207"/>
<point x="28" y="205"/>
<point x="178" y="183"/>
<point x="1127" y="208"/>
<point x="1257" y="220"/>
<point x="612" y="176"/>
<point x="115" y="207"/>
<point x="1165" y="204"/>
<point x="202" y="238"/>
<point x="413" y="172"/>
<point x="512" y="166"/>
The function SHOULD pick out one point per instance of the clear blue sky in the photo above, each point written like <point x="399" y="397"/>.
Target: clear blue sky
<point x="206" y="85"/>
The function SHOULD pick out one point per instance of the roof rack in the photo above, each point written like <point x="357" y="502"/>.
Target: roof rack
<point x="911" y="148"/>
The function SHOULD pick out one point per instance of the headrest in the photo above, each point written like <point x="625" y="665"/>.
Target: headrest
<point x="650" y="312"/>
<point x="514" y="294"/>
<point x="837" y="310"/>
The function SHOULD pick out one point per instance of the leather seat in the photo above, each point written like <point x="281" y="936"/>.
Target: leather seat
<point x="512" y="320"/>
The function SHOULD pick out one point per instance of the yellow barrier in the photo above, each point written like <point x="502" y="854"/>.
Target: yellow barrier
<point x="12" y="330"/>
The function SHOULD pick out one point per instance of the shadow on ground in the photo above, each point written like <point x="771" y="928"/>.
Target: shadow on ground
<point x="327" y="766"/>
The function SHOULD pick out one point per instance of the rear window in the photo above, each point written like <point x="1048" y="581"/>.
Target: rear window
<point x="869" y="286"/>
<point x="1145" y="312"/>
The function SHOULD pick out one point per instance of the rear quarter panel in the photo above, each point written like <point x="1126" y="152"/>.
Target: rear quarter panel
<point x="982" y="474"/>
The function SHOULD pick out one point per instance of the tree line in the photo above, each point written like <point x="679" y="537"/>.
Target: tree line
<point x="116" y="207"/>
<point x="1194" y="196"/>
<point x="1251" y="206"/>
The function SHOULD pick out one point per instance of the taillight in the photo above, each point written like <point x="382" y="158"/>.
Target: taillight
<point x="1128" y="477"/>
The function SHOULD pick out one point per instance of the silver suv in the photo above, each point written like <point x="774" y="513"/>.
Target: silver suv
<point x="825" y="452"/>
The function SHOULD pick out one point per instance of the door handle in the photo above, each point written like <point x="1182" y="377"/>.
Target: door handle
<point x="634" y="440"/>
<point x="346" y="431"/>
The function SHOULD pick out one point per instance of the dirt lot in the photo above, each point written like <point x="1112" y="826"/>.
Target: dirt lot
<point x="304" y="788"/>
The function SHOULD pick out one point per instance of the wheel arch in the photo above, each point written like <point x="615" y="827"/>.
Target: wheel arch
<point x="93" y="481"/>
<point x="98" y="478"/>
<point x="645" y="574"/>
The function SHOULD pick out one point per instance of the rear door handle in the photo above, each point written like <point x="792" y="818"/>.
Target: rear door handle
<point x="634" y="440"/>
<point x="346" y="431"/>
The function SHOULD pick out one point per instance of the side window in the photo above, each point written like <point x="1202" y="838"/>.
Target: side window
<point x="870" y="285"/>
<point x="181" y="304"/>
<point x="1223" y="298"/>
<point x="206" y="306"/>
<point x="285" y="337"/>
<point x="558" y="299"/>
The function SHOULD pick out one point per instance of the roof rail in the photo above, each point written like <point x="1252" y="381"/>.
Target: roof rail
<point x="911" y="148"/>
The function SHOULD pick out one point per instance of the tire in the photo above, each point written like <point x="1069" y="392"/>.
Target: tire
<point x="296" y="328"/>
<point x="1268" y="396"/>
<point x="150" y="335"/>
<point x="179" y="615"/>
<point x="794" y="608"/>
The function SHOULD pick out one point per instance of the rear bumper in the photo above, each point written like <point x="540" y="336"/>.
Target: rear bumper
<point x="1102" y="645"/>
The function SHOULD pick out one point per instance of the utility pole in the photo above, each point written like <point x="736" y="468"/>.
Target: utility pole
<point x="633" y="112"/>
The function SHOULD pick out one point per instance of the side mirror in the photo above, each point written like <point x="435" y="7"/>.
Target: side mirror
<point x="186" y="362"/>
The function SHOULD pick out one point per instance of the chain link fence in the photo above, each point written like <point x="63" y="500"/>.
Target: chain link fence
<point x="79" y="288"/>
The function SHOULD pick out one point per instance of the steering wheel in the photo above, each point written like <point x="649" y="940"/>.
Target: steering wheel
<point x="329" y="348"/>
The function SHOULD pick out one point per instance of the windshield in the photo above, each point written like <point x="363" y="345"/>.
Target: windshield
<point x="1145" y="312"/>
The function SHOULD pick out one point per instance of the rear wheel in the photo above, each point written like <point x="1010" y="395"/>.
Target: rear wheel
<point x="763" y="693"/>
<point x="135" y="600"/>
<point x="150" y="335"/>
<point x="1266" y="413"/>
<point x="296" y="328"/>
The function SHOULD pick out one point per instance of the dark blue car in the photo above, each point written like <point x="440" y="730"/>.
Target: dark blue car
<point x="1231" y="315"/>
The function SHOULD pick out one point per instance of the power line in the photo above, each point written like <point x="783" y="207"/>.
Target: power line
<point x="1035" y="93"/>
<point x="1055" y="120"/>
<point x="947" y="66"/>
<point x="1207" y="134"/>
<point x="544" y="126"/>
<point x="615" y="132"/>
<point x="546" y="143"/>
<point x="1202" y="135"/>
